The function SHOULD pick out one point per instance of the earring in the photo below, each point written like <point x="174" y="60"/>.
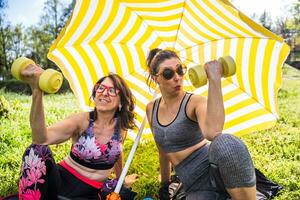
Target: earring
<point x="120" y="107"/>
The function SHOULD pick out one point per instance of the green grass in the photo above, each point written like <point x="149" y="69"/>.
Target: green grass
<point x="276" y="151"/>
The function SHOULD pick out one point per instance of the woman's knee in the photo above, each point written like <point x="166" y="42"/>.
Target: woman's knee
<point x="36" y="151"/>
<point x="233" y="160"/>
<point x="36" y="171"/>
<point x="227" y="147"/>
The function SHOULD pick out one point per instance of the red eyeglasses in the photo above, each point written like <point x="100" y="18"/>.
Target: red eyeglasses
<point x="111" y="91"/>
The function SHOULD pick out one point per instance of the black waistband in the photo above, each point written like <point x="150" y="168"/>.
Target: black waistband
<point x="91" y="165"/>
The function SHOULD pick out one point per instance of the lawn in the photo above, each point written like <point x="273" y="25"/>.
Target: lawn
<point x="276" y="151"/>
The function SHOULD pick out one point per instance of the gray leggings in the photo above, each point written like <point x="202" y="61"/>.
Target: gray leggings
<point x="210" y="170"/>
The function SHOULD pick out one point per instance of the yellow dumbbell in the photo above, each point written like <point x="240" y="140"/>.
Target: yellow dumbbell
<point x="50" y="80"/>
<point x="198" y="75"/>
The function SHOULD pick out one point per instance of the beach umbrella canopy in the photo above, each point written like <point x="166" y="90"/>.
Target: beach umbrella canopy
<point x="105" y="36"/>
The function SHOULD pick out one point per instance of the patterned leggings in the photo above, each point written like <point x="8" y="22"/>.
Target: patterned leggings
<point x="42" y="178"/>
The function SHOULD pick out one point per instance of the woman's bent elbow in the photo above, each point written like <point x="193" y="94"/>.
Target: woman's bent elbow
<point x="211" y="135"/>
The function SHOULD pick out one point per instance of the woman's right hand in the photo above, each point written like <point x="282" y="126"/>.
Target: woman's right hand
<point x="31" y="76"/>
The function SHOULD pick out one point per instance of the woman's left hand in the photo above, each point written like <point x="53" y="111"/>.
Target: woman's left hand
<point x="213" y="70"/>
<point x="130" y="179"/>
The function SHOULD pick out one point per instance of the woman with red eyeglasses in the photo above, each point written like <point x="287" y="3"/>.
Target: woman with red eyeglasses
<point x="97" y="139"/>
<point x="182" y="124"/>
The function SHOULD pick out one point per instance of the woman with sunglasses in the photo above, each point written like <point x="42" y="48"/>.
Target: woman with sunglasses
<point x="97" y="138"/>
<point x="182" y="124"/>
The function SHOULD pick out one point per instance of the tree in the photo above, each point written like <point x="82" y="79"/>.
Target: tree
<point x="66" y="13"/>
<point x="55" y="16"/>
<point x="41" y="37"/>
<point x="296" y="17"/>
<point x="294" y="33"/>
<point x="33" y="42"/>
<point x="265" y="20"/>
<point x="282" y="27"/>
<point x="18" y="38"/>
<point x="38" y="43"/>
<point x="5" y="39"/>
<point x="3" y="4"/>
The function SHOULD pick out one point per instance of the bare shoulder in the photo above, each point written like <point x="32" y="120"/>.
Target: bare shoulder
<point x="150" y="105"/>
<point x="81" y="120"/>
<point x="149" y="109"/>
<point x="123" y="134"/>
<point x="196" y="100"/>
<point x="196" y="103"/>
<point x="79" y="116"/>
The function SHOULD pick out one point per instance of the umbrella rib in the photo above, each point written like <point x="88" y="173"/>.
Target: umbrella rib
<point x="198" y="44"/>
<point x="145" y="22"/>
<point x="184" y="4"/>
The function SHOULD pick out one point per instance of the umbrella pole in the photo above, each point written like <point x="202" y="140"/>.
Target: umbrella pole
<point x="130" y="157"/>
<point x="115" y="195"/>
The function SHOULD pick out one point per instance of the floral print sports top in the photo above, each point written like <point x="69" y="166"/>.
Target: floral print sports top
<point x="88" y="152"/>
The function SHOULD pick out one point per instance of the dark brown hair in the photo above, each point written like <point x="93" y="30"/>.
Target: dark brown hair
<point x="155" y="57"/>
<point x="125" y="115"/>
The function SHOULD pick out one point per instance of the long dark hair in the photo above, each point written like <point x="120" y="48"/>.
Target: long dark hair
<point x="125" y="115"/>
<point x="154" y="58"/>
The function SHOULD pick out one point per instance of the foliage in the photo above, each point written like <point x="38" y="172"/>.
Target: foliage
<point x="5" y="39"/>
<point x="295" y="10"/>
<point x="3" y="107"/>
<point x="265" y="20"/>
<point x="15" y="133"/>
<point x="275" y="151"/>
<point x="33" y="42"/>
<point x="14" y="85"/>
<point x="3" y="4"/>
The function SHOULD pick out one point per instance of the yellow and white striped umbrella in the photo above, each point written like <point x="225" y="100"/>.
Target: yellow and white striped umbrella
<point x="105" y="36"/>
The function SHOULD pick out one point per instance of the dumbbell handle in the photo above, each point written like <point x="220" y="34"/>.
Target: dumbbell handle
<point x="50" y="80"/>
<point x="198" y="76"/>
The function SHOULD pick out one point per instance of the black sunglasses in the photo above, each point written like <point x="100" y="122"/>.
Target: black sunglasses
<point x="169" y="73"/>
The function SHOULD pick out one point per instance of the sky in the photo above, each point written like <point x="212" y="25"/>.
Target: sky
<point x="275" y="8"/>
<point x="27" y="12"/>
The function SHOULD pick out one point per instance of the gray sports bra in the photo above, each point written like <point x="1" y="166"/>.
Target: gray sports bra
<point x="180" y="134"/>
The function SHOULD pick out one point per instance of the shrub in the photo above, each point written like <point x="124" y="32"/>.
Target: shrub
<point x="3" y="107"/>
<point x="17" y="86"/>
<point x="14" y="85"/>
